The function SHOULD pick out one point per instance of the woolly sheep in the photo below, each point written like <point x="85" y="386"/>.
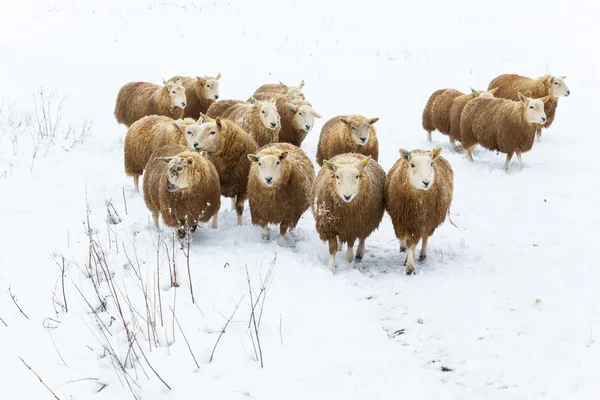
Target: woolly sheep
<point x="200" y="93"/>
<point x="436" y="114"/>
<point x="227" y="146"/>
<point x="279" y="185"/>
<point x="348" y="134"/>
<point x="347" y="202"/>
<point x="138" y="99"/>
<point x="182" y="186"/>
<point x="510" y="85"/>
<point x="270" y="90"/>
<point x="297" y="119"/>
<point x="458" y="104"/>
<point x="418" y="193"/>
<point x="259" y="118"/>
<point x="502" y="125"/>
<point x="149" y="134"/>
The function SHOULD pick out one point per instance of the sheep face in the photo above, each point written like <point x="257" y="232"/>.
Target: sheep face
<point x="558" y="87"/>
<point x="269" y="167"/>
<point x="487" y="94"/>
<point x="190" y="132"/>
<point x="304" y="117"/>
<point x="177" y="94"/>
<point x="208" y="137"/>
<point x="294" y="91"/>
<point x="360" y="129"/>
<point x="534" y="109"/>
<point x="267" y="113"/>
<point x="421" y="174"/>
<point x="210" y="86"/>
<point x="347" y="178"/>
<point x="178" y="172"/>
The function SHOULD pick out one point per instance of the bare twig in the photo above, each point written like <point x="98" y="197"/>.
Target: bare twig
<point x="3" y="322"/>
<point x="212" y="354"/>
<point x="450" y="219"/>
<point x="185" y="338"/>
<point x="40" y="379"/>
<point x="14" y="299"/>
<point x="125" y="201"/>
<point x="158" y="280"/>
<point x="153" y="370"/>
<point x="280" y="330"/>
<point x="253" y="318"/>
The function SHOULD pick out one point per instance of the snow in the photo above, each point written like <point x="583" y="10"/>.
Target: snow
<point x="507" y="298"/>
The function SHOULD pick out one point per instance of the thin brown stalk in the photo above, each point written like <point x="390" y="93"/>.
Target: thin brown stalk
<point x="3" y="322"/>
<point x="40" y="379"/>
<point x="253" y="318"/>
<point x="185" y="338"/>
<point x="212" y="354"/>
<point x="125" y="201"/>
<point x="14" y="299"/>
<point x="160" y="312"/>
<point x="153" y="370"/>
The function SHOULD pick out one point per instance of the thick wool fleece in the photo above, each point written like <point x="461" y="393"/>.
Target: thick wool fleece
<point x="336" y="138"/>
<point x="138" y="99"/>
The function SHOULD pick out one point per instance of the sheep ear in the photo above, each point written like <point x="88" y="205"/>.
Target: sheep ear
<point x="252" y="100"/>
<point x="282" y="85"/>
<point x="473" y="91"/>
<point x="373" y="120"/>
<point x="177" y="126"/>
<point x="164" y="82"/>
<point x="283" y="155"/>
<point x="165" y="159"/>
<point x="219" y="123"/>
<point x="344" y="120"/>
<point x="301" y="84"/>
<point x="202" y="118"/>
<point x="435" y="153"/>
<point x="545" y="98"/>
<point x="405" y="154"/>
<point x="218" y="76"/>
<point x="563" y="77"/>
<point x="197" y="77"/>
<point x="253" y="158"/>
<point x="329" y="164"/>
<point x="293" y="107"/>
<point x="360" y="165"/>
<point x="316" y="114"/>
<point x="522" y="98"/>
<point x="492" y="91"/>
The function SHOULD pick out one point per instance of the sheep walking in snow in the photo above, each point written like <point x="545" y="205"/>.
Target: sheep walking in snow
<point x="502" y="125"/>
<point x="458" y="104"/>
<point x="138" y="99"/>
<point x="348" y="134"/>
<point x="510" y="85"/>
<point x="418" y="193"/>
<point x="297" y="119"/>
<point x="347" y="202"/>
<point x="259" y="118"/>
<point x="270" y="90"/>
<point x="200" y="93"/>
<point x="227" y="146"/>
<point x="182" y="186"/>
<point x="436" y="114"/>
<point x="279" y="187"/>
<point x="151" y="133"/>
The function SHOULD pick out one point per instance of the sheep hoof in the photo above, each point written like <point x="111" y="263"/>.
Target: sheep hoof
<point x="410" y="271"/>
<point x="422" y="257"/>
<point x="265" y="237"/>
<point x="181" y="233"/>
<point x="359" y="257"/>
<point x="402" y="249"/>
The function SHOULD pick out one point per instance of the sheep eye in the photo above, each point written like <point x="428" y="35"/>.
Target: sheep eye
<point x="173" y="92"/>
<point x="260" y="164"/>
<point x="277" y="162"/>
<point x="208" y="86"/>
<point x="412" y="165"/>
<point x="556" y="83"/>
<point x="300" y="114"/>
<point x="262" y="112"/>
<point x="189" y="132"/>
<point x="356" y="177"/>
<point x="353" y="128"/>
<point x="337" y="177"/>
<point x="531" y="107"/>
<point x="432" y="164"/>
<point x="212" y="132"/>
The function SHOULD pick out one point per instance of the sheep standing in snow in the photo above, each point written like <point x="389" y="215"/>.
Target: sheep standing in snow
<point x="418" y="193"/>
<point x="182" y="186"/>
<point x="200" y="92"/>
<point x="297" y="119"/>
<point x="347" y="202"/>
<point x="270" y="90"/>
<point x="227" y="146"/>
<point x="151" y="133"/>
<point x="458" y="104"/>
<point x="259" y="118"/>
<point x="510" y="85"/>
<point x="138" y="99"/>
<point x="436" y="114"/>
<point x="348" y="134"/>
<point x="502" y="125"/>
<point x="279" y="186"/>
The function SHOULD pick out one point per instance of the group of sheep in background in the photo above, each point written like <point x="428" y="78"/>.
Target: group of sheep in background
<point x="193" y="149"/>
<point x="505" y="118"/>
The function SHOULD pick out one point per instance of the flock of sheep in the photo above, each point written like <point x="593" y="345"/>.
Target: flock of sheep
<point x="193" y="149"/>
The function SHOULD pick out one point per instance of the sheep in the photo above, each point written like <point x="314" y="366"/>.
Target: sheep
<point x="227" y="146"/>
<point x="270" y="90"/>
<point x="138" y="99"/>
<point x="418" y="193"/>
<point x="510" y="85"/>
<point x="200" y="93"/>
<point x="297" y="119"/>
<point x="182" y="186"/>
<point x="259" y="118"/>
<point x="150" y="133"/>
<point x="281" y="177"/>
<point x="436" y="114"/>
<point x="348" y="134"/>
<point x="458" y="104"/>
<point x="347" y="202"/>
<point x="502" y="125"/>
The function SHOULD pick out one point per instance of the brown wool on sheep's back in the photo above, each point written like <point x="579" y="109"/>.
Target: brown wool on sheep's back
<point x="509" y="86"/>
<point x="288" y="134"/>
<point x="354" y="220"/>
<point x="417" y="213"/>
<point x="270" y="90"/>
<point x="286" y="201"/>
<point x="196" y="100"/>
<point x="497" y="124"/>
<point x="458" y="105"/>
<point x="336" y="139"/>
<point x="246" y="117"/>
<point x="436" y="114"/>
<point x="139" y="99"/>
<point x="195" y="204"/>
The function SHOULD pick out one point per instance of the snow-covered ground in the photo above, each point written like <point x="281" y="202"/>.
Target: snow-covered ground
<point x="505" y="307"/>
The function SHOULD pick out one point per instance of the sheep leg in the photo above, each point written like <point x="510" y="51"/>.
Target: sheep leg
<point x="402" y="246"/>
<point x="266" y="235"/>
<point x="452" y="142"/>
<point x="506" y="164"/>
<point x="469" y="153"/>
<point x="350" y="251"/>
<point x="282" y="231"/>
<point x="429" y="136"/>
<point x="215" y="221"/>
<point x="423" y="253"/>
<point x="520" y="160"/>
<point x="233" y="203"/>
<point x="360" y="251"/>
<point x="410" y="260"/>
<point x="239" y="208"/>
<point x="155" y="218"/>
<point x="538" y="133"/>
<point x="339" y="244"/>
<point x="136" y="183"/>
<point x="333" y="244"/>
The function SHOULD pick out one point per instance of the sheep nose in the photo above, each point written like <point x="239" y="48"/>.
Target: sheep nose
<point x="347" y="197"/>
<point x="183" y="104"/>
<point x="426" y="183"/>
<point x="273" y="124"/>
<point x="216" y="97"/>
<point x="363" y="139"/>
<point x="543" y="119"/>
<point x="269" y="180"/>
<point x="568" y="92"/>
<point x="197" y="146"/>
<point x="307" y="127"/>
